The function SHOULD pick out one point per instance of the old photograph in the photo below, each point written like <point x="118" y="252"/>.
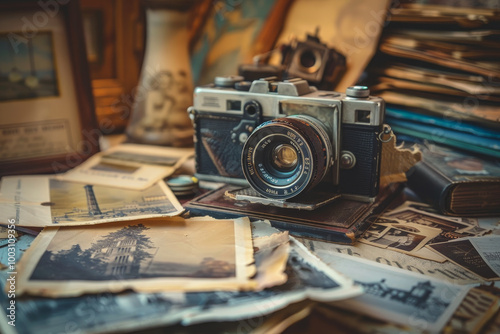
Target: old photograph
<point x="487" y="247"/>
<point x="396" y="295"/>
<point x="428" y="209"/>
<point x="142" y="255"/>
<point x="73" y="202"/>
<point x="399" y="236"/>
<point x="463" y="253"/>
<point x="444" y="270"/>
<point x="130" y="166"/>
<point x="374" y="232"/>
<point x="308" y="278"/>
<point x="428" y="219"/>
<point x="451" y="229"/>
<point x="477" y="308"/>
<point x="27" y="70"/>
<point x="135" y="311"/>
<point x="64" y="203"/>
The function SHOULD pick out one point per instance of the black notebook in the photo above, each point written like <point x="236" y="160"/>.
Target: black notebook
<point x="457" y="184"/>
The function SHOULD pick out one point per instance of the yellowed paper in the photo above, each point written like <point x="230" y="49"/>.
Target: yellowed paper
<point x="130" y="166"/>
<point x="39" y="201"/>
<point x="143" y="255"/>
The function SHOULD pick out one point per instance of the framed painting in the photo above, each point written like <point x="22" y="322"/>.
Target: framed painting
<point x="47" y="118"/>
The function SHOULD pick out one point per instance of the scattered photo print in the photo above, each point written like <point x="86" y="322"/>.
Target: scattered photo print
<point x="79" y="202"/>
<point x="396" y="295"/>
<point x="408" y="238"/>
<point x="146" y="255"/>
<point x="463" y="253"/>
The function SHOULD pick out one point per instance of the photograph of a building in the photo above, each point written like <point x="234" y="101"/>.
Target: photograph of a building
<point x="121" y="251"/>
<point x="418" y="295"/>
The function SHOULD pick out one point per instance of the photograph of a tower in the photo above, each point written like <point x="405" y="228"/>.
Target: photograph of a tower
<point x="71" y="201"/>
<point x="146" y="255"/>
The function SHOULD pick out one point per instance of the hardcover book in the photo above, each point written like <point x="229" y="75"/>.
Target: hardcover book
<point x="342" y="221"/>
<point x="457" y="184"/>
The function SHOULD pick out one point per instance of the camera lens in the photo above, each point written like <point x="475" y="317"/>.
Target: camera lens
<point x="284" y="157"/>
<point x="309" y="60"/>
<point x="287" y="156"/>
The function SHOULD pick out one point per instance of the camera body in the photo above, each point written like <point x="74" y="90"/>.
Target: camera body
<point x="308" y="59"/>
<point x="313" y="61"/>
<point x="285" y="138"/>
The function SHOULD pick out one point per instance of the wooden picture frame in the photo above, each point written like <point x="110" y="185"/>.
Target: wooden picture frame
<point x="114" y="30"/>
<point x="47" y="118"/>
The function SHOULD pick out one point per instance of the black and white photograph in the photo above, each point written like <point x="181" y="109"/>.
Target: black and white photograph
<point x="374" y="231"/>
<point x="399" y="236"/>
<point x="142" y="255"/>
<point x="427" y="209"/>
<point x="396" y="295"/>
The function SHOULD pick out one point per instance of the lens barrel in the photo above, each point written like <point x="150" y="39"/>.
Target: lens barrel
<point x="287" y="156"/>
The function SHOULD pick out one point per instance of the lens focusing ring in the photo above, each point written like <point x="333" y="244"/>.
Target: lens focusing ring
<point x="313" y="148"/>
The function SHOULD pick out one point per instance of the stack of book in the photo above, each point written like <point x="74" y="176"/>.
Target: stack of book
<point x="438" y="68"/>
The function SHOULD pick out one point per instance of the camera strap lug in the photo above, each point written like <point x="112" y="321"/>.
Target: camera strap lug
<point x="386" y="135"/>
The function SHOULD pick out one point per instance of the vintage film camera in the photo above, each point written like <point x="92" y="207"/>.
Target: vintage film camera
<point x="309" y="59"/>
<point x="313" y="61"/>
<point x="285" y="138"/>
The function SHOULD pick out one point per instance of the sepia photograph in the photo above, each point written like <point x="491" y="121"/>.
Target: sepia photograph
<point x="135" y="166"/>
<point x="399" y="236"/>
<point x="451" y="229"/>
<point x="396" y="238"/>
<point x="27" y="71"/>
<point x="77" y="202"/>
<point x="143" y="255"/>
<point x="39" y="201"/>
<point x="135" y="311"/>
<point x="374" y="232"/>
<point x="423" y="218"/>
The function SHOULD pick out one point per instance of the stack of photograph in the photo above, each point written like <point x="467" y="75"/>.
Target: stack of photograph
<point x="438" y="70"/>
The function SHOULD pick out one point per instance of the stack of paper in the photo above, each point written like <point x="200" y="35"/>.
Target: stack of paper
<point x="438" y="68"/>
